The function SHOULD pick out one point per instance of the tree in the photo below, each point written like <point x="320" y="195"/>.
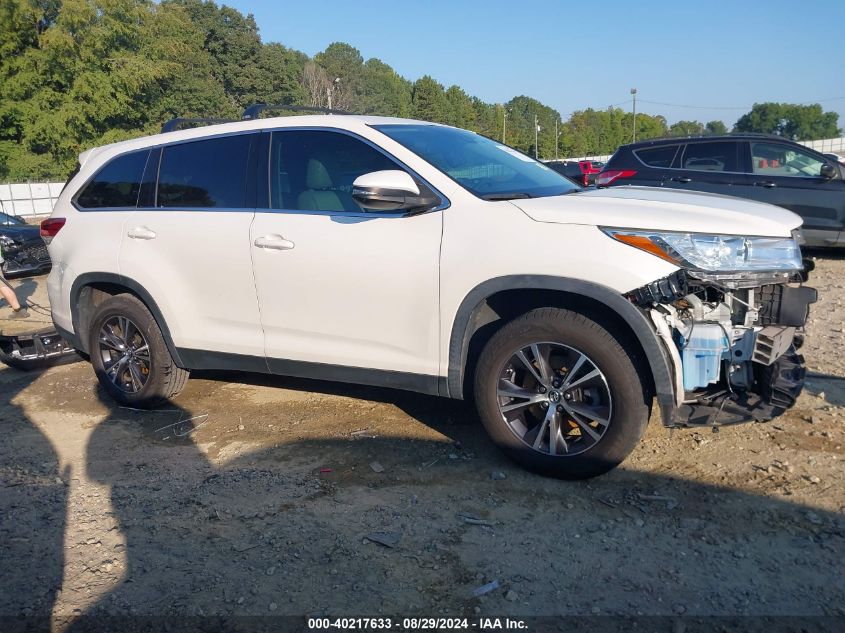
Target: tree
<point x="459" y="110"/>
<point x="316" y="85"/>
<point x="716" y="128"/>
<point x="794" y="121"/>
<point x="591" y="132"/>
<point x="91" y="73"/>
<point x="686" y="128"/>
<point x="429" y="100"/>
<point x="383" y="91"/>
<point x="343" y="66"/>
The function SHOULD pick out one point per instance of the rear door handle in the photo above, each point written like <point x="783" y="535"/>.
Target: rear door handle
<point x="767" y="184"/>
<point x="274" y="242"/>
<point x="141" y="233"/>
<point x="681" y="179"/>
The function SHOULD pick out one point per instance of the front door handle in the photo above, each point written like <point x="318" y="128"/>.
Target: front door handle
<point x="141" y="233"/>
<point x="683" y="179"/>
<point x="274" y="242"/>
<point x="767" y="184"/>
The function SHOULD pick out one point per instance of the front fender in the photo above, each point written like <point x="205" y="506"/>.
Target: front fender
<point x="636" y="320"/>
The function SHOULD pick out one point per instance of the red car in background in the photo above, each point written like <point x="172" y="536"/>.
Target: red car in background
<point x="581" y="172"/>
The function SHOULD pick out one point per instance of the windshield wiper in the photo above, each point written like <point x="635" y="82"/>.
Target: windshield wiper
<point x="505" y="195"/>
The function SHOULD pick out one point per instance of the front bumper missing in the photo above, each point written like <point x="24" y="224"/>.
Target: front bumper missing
<point x="776" y="368"/>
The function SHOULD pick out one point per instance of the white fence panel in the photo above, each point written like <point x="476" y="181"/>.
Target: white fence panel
<point x="30" y="199"/>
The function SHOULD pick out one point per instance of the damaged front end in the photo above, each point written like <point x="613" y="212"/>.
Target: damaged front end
<point x="733" y="340"/>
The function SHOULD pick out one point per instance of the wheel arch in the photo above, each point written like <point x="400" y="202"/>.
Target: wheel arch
<point x="491" y="304"/>
<point x="91" y="289"/>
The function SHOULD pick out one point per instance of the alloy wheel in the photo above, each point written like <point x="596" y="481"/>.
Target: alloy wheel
<point x="554" y="398"/>
<point x="125" y="354"/>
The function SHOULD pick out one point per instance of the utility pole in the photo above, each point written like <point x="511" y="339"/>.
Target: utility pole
<point x="556" y="138"/>
<point x="536" y="132"/>
<point x="504" y="124"/>
<point x="634" y="127"/>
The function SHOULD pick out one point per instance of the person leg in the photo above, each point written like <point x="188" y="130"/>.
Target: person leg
<point x="9" y="295"/>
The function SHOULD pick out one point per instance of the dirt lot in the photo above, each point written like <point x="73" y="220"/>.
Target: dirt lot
<point x="263" y="500"/>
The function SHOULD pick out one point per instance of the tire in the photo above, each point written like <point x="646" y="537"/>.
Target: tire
<point x="585" y="446"/>
<point x="143" y="380"/>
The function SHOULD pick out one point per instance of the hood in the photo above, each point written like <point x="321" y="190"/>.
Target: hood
<point x="663" y="210"/>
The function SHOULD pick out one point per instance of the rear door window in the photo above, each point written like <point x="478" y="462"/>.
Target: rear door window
<point x="715" y="156"/>
<point x="211" y="173"/>
<point x="658" y="156"/>
<point x="116" y="185"/>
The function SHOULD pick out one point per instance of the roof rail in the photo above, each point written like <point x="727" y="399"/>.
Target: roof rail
<point x="254" y="111"/>
<point x="711" y="137"/>
<point x="177" y="124"/>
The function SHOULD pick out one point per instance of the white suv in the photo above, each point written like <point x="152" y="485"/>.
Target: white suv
<point x="424" y="257"/>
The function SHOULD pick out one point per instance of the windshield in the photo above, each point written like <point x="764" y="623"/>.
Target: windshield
<point x="488" y="169"/>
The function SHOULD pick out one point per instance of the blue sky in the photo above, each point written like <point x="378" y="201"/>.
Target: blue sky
<point x="719" y="55"/>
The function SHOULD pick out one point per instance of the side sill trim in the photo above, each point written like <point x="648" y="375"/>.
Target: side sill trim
<point x="421" y="383"/>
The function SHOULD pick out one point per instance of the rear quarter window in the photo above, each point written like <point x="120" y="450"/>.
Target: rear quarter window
<point x="116" y="185"/>
<point x="658" y="156"/>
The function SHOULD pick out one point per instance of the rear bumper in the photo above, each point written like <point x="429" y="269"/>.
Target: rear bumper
<point x="28" y="260"/>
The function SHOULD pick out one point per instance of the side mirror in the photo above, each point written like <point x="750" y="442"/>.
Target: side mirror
<point x="391" y="190"/>
<point x="828" y="172"/>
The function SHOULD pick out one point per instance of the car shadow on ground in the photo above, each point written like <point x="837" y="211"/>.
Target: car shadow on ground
<point x="33" y="507"/>
<point x="300" y="527"/>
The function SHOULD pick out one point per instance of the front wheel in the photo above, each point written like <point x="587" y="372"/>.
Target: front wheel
<point x="129" y="354"/>
<point x="559" y="394"/>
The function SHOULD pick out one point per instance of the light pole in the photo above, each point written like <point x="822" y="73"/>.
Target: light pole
<point x="634" y="127"/>
<point x="536" y="132"/>
<point x="330" y="90"/>
<point x="504" y="124"/>
<point x="556" y="138"/>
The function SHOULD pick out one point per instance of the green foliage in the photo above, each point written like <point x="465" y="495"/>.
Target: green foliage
<point x="715" y="128"/>
<point x="75" y="74"/>
<point x="686" y="128"/>
<point x="428" y="100"/>
<point x="590" y="132"/>
<point x="794" y="121"/>
<point x="383" y="91"/>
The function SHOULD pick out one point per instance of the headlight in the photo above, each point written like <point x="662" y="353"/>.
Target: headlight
<point x="715" y="253"/>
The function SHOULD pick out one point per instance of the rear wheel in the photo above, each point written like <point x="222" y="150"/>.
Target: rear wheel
<point x="129" y="354"/>
<point x="559" y="394"/>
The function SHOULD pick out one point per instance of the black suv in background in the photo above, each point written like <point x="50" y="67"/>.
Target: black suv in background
<point x="761" y="167"/>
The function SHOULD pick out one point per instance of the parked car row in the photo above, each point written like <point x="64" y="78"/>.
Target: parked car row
<point x="760" y="167"/>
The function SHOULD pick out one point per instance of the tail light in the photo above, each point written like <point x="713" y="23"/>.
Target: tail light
<point x="51" y="227"/>
<point x="585" y="180"/>
<point x="608" y="177"/>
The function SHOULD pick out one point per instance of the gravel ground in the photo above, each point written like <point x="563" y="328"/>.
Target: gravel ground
<point x="260" y="496"/>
